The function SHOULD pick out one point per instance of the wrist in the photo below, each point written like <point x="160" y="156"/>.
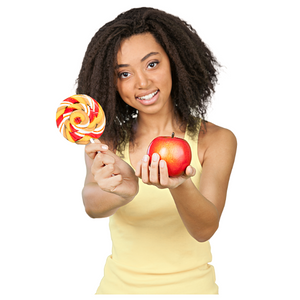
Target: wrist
<point x="186" y="184"/>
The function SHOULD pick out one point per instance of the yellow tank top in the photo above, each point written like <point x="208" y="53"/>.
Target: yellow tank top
<point x="152" y="252"/>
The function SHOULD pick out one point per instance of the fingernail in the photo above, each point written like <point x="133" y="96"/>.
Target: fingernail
<point x="145" y="158"/>
<point x="104" y="147"/>
<point x="155" y="157"/>
<point x="162" y="163"/>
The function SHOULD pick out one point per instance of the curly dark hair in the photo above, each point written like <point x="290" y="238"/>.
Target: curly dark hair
<point x="193" y="68"/>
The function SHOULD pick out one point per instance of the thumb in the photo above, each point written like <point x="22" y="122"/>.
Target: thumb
<point x="103" y="147"/>
<point x="190" y="171"/>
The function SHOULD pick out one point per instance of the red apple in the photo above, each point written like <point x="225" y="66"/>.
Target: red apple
<point x="175" y="151"/>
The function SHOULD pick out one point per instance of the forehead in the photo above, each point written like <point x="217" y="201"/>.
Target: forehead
<point x="137" y="46"/>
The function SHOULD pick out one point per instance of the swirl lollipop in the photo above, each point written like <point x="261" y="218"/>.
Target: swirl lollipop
<point x="80" y="119"/>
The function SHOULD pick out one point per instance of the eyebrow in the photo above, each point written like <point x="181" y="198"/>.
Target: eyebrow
<point x="143" y="59"/>
<point x="148" y="55"/>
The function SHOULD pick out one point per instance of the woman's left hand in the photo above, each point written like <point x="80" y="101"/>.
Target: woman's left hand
<point x="157" y="174"/>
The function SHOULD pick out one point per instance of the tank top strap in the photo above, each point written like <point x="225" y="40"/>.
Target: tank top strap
<point x="193" y="142"/>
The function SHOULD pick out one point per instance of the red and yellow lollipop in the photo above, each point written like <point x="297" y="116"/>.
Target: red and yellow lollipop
<point x="80" y="119"/>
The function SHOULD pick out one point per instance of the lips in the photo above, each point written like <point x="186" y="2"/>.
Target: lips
<point x="149" y="98"/>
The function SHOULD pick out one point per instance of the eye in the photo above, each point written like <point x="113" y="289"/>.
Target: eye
<point x="153" y="64"/>
<point x="124" y="75"/>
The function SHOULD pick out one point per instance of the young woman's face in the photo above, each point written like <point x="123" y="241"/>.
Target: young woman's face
<point x="143" y="74"/>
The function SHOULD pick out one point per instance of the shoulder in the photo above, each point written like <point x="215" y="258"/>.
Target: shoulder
<point x="214" y="140"/>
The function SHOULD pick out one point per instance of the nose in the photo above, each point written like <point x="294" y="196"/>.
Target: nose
<point x="142" y="80"/>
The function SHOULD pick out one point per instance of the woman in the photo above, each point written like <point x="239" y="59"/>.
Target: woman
<point x="153" y="75"/>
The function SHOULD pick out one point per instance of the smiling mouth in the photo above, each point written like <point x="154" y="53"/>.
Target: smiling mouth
<point x="148" y="97"/>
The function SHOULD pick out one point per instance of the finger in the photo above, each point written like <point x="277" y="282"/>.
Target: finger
<point x="115" y="182"/>
<point x="97" y="164"/>
<point x="138" y="168"/>
<point x="190" y="171"/>
<point x="110" y="184"/>
<point x="98" y="144"/>
<point x="93" y="148"/>
<point x="105" y="172"/>
<point x="145" y="169"/>
<point x="154" y="169"/>
<point x="164" y="174"/>
<point x="104" y="158"/>
<point x="100" y="161"/>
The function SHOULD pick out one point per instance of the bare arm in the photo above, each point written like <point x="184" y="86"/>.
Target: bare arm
<point x="103" y="193"/>
<point x="200" y="210"/>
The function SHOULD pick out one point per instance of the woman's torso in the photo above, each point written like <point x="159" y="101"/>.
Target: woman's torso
<point x="152" y="252"/>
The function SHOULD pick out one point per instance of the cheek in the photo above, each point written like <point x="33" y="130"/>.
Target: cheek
<point x="125" y="93"/>
<point x="166" y="82"/>
<point x="121" y="88"/>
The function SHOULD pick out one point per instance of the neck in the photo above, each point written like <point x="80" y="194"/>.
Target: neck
<point x="158" y="124"/>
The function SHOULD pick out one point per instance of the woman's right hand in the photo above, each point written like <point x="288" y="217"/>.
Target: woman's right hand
<point x="110" y="172"/>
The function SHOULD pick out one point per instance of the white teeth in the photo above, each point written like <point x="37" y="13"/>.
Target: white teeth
<point x="148" y="97"/>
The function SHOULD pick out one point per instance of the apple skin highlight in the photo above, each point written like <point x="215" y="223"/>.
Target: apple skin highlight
<point x="175" y="151"/>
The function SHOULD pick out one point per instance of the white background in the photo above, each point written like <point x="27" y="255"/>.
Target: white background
<point x="49" y="246"/>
